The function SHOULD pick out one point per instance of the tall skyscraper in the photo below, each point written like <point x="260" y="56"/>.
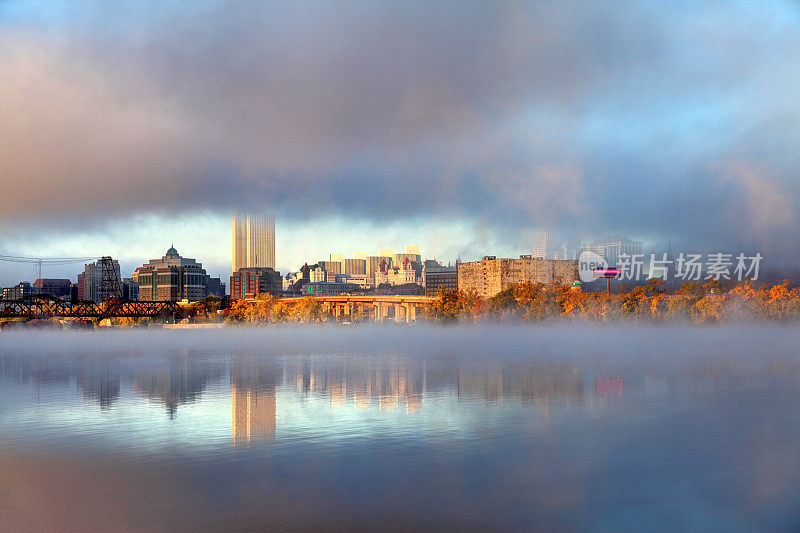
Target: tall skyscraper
<point x="545" y="245"/>
<point x="253" y="241"/>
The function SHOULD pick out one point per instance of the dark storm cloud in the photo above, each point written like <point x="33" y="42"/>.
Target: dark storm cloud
<point x="635" y="118"/>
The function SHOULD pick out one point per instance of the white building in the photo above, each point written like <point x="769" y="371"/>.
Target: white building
<point x="397" y="275"/>
<point x="612" y="248"/>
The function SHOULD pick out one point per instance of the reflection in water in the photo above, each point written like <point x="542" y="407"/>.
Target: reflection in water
<point x="180" y="379"/>
<point x="517" y="439"/>
<point x="252" y="400"/>
<point x="99" y="377"/>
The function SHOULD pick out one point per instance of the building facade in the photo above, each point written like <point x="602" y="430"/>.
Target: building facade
<point x="436" y="276"/>
<point x="397" y="275"/>
<point x="612" y="249"/>
<point x="130" y="289"/>
<point x="325" y="288"/>
<point x="250" y="282"/>
<point x="491" y="275"/>
<point x="173" y="278"/>
<point x="18" y="291"/>
<point x="355" y="266"/>
<point x="361" y="280"/>
<point x="90" y="281"/>
<point x="60" y="288"/>
<point x="253" y="241"/>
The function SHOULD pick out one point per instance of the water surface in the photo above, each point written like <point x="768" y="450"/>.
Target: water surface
<point x="567" y="427"/>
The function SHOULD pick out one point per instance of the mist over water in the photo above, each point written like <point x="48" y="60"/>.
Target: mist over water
<point x="559" y="427"/>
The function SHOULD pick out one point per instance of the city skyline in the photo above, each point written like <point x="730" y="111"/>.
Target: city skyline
<point x="466" y="137"/>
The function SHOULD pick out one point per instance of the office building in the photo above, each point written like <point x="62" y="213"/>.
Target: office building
<point x="338" y="258"/>
<point x="173" y="278"/>
<point x="372" y="264"/>
<point x="216" y="287"/>
<point x="435" y="276"/>
<point x="332" y="267"/>
<point x="250" y="282"/>
<point x="90" y="281"/>
<point x="362" y="280"/>
<point x="59" y="288"/>
<point x="611" y="249"/>
<point x="545" y="245"/>
<point x="18" y="291"/>
<point x="355" y="266"/>
<point x="491" y="275"/>
<point x="325" y="288"/>
<point x="130" y="289"/>
<point x="253" y="241"/>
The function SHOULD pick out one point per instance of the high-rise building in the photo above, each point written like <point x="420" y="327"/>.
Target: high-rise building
<point x="611" y="249"/>
<point x="89" y="284"/>
<point x="130" y="289"/>
<point x="338" y="258"/>
<point x="332" y="267"/>
<point x="373" y="264"/>
<point x="545" y="245"/>
<point x="253" y="241"/>
<point x="354" y="266"/>
<point x="173" y="278"/>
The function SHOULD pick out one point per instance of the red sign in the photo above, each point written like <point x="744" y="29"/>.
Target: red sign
<point x="606" y="272"/>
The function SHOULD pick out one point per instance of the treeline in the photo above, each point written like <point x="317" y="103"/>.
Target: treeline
<point x="694" y="302"/>
<point x="265" y="309"/>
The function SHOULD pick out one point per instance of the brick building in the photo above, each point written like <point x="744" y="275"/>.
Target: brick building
<point x="249" y="282"/>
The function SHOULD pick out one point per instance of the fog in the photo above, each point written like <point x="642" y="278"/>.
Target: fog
<point x="564" y="341"/>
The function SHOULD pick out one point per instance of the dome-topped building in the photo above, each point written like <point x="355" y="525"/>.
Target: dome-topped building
<point x="173" y="278"/>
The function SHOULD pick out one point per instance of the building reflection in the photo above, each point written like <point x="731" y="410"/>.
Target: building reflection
<point x="99" y="378"/>
<point x="253" y="402"/>
<point x="181" y="379"/>
<point x="396" y="382"/>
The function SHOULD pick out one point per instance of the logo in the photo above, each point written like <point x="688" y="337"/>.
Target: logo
<point x="587" y="262"/>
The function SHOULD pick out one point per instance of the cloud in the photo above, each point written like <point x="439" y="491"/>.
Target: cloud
<point x="625" y="117"/>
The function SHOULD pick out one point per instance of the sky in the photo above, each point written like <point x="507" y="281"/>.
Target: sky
<point x="463" y="127"/>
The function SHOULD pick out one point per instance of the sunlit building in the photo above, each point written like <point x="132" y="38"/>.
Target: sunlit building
<point x="253" y="413"/>
<point x="173" y="278"/>
<point x="253" y="241"/>
<point x="491" y="274"/>
<point x="250" y="282"/>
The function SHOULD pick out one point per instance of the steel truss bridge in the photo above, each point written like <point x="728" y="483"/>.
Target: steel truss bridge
<point x="46" y="306"/>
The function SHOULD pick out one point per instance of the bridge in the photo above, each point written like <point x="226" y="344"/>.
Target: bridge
<point x="46" y="306"/>
<point x="378" y="308"/>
